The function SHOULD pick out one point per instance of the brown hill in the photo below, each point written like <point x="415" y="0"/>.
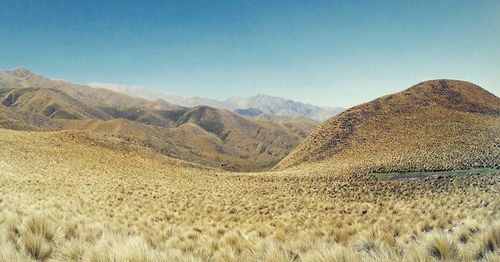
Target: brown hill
<point x="147" y="114"/>
<point x="258" y="142"/>
<point x="93" y="103"/>
<point x="203" y="135"/>
<point x="50" y="103"/>
<point x="96" y="97"/>
<point x="11" y="120"/>
<point x="209" y="136"/>
<point x="434" y="125"/>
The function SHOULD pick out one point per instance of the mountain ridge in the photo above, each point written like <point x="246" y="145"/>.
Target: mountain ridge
<point x="204" y="135"/>
<point x="271" y="105"/>
<point x="425" y="127"/>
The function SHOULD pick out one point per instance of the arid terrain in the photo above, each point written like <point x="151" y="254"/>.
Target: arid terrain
<point x="82" y="195"/>
<point x="434" y="125"/>
<point x="202" y="134"/>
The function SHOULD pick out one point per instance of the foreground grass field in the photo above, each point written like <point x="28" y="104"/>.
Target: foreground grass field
<point x="71" y="196"/>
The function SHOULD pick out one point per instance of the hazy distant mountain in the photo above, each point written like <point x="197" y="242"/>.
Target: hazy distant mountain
<point x="270" y="105"/>
<point x="278" y="106"/>
<point x="141" y="92"/>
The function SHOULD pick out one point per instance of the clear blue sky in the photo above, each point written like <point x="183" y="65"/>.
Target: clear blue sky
<point x="336" y="53"/>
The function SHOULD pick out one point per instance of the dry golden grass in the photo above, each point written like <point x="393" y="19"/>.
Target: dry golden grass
<point x="75" y="196"/>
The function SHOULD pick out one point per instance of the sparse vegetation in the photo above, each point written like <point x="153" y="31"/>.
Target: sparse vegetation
<point x="77" y="196"/>
<point x="436" y="125"/>
<point x="423" y="174"/>
<point x="32" y="102"/>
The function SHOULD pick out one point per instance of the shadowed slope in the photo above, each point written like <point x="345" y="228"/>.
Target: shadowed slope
<point x="434" y="125"/>
<point x="204" y="135"/>
<point x="260" y="142"/>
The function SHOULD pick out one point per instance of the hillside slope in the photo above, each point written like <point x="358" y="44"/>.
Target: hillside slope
<point x="95" y="97"/>
<point x="203" y="135"/>
<point x="259" y="142"/>
<point x="81" y="196"/>
<point x="50" y="103"/>
<point x="434" y="125"/>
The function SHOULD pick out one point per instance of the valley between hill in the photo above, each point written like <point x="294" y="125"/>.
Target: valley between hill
<point x="70" y="196"/>
<point x="201" y="134"/>
<point x="76" y="195"/>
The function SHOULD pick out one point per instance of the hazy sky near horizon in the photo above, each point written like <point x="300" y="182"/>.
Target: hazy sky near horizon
<point x="336" y="53"/>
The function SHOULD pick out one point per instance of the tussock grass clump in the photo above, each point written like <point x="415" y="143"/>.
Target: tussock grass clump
<point x="38" y="236"/>
<point x="441" y="246"/>
<point x="485" y="243"/>
<point x="37" y="246"/>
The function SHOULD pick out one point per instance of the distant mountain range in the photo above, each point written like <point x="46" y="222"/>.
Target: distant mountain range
<point x="269" y="105"/>
<point x="201" y="134"/>
<point x="433" y="126"/>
